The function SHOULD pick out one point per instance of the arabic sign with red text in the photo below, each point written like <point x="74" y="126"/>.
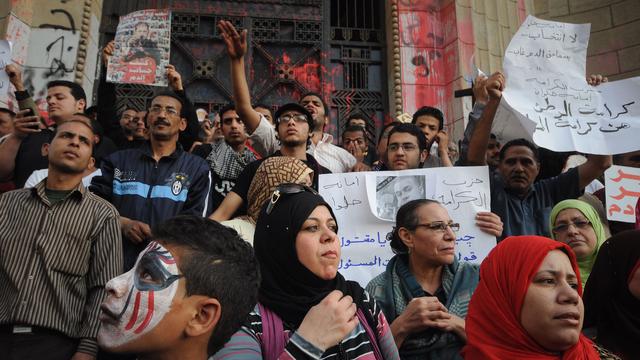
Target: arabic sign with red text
<point x="622" y="188"/>
<point x="142" y="44"/>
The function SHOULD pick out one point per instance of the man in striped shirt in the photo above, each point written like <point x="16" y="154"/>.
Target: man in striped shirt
<point x="60" y="244"/>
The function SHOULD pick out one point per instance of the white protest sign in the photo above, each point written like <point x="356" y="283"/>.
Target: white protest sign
<point x="142" y="44"/>
<point x="5" y="59"/>
<point x="361" y="203"/>
<point x="622" y="189"/>
<point x="545" y="65"/>
<point x="507" y="126"/>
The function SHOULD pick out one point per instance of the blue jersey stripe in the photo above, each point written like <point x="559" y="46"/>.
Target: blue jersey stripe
<point x="136" y="188"/>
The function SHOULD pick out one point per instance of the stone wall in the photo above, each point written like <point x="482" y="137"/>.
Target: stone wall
<point x="52" y="39"/>
<point x="438" y="43"/>
<point x="614" y="46"/>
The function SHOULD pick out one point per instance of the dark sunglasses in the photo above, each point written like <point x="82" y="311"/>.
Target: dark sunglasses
<point x="287" y="189"/>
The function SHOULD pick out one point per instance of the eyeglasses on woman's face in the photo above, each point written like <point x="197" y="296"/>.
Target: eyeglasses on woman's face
<point x="578" y="223"/>
<point x="440" y="226"/>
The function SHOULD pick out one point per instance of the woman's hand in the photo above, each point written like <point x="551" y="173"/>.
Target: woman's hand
<point x="454" y="324"/>
<point x="421" y="313"/>
<point x="490" y="223"/>
<point x="327" y="323"/>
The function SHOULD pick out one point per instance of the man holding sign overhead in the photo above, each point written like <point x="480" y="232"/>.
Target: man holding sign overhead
<point x="522" y="205"/>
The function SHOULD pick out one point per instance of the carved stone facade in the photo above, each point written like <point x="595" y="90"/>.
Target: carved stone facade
<point x="435" y="42"/>
<point x="383" y="59"/>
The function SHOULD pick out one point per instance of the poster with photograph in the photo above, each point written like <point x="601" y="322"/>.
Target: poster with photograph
<point x="365" y="206"/>
<point x="394" y="191"/>
<point x="142" y="44"/>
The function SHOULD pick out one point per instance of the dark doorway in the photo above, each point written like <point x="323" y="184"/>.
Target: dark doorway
<point x="332" y="47"/>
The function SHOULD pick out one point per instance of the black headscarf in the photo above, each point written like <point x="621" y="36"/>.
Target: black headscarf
<point x="608" y="303"/>
<point x="288" y="288"/>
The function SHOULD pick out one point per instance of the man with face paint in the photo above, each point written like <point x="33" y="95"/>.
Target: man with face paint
<point x="185" y="295"/>
<point x="60" y="244"/>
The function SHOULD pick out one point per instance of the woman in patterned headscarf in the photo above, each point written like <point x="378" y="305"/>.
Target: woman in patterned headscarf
<point x="272" y="172"/>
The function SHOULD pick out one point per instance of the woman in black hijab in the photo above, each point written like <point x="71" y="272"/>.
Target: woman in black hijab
<point x="612" y="295"/>
<point x="305" y="306"/>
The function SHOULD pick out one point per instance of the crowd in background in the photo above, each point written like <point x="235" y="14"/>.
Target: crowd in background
<point x="171" y="232"/>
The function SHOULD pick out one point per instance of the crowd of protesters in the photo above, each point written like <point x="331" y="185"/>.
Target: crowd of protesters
<point x="168" y="232"/>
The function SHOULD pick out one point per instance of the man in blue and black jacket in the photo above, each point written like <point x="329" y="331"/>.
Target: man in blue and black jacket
<point x="156" y="181"/>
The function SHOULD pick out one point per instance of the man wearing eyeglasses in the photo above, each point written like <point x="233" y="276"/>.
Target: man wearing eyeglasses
<point x="293" y="124"/>
<point x="406" y="148"/>
<point x="262" y="134"/>
<point x="156" y="181"/>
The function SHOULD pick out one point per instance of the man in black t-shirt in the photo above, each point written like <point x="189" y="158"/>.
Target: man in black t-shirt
<point x="293" y="125"/>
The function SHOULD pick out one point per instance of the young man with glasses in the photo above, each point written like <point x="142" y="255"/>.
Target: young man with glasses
<point x="406" y="148"/>
<point x="156" y="181"/>
<point x="293" y="125"/>
<point x="262" y="134"/>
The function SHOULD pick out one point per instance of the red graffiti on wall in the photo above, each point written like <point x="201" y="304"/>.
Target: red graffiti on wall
<point x="309" y="73"/>
<point x="430" y="41"/>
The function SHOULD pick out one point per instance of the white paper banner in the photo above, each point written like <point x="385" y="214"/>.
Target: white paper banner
<point x="622" y="189"/>
<point x="5" y="59"/>
<point x="545" y="67"/>
<point x="362" y="201"/>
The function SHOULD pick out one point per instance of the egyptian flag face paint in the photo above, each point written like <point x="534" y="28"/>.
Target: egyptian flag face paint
<point x="139" y="299"/>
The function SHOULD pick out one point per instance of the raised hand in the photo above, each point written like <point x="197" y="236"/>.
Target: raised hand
<point x="174" y="77"/>
<point x="236" y="42"/>
<point x="25" y="124"/>
<point x="495" y="84"/>
<point x="107" y="52"/>
<point x="490" y="223"/>
<point x="15" y="76"/>
<point x="354" y="149"/>
<point x="480" y="89"/>
<point x="442" y="138"/>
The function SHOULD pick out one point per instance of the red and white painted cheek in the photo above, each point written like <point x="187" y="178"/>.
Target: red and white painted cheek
<point x="144" y="310"/>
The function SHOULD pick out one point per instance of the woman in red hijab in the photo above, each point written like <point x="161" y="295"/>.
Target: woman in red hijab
<point x="528" y="304"/>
